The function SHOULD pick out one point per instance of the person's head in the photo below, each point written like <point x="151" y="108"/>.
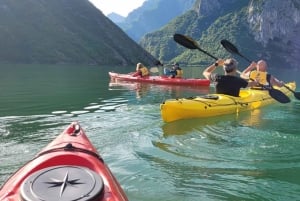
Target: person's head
<point x="230" y="65"/>
<point x="261" y="66"/>
<point x="139" y="66"/>
<point x="176" y="65"/>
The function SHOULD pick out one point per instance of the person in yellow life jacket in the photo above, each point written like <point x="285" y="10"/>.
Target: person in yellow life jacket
<point x="176" y="71"/>
<point x="141" y="70"/>
<point x="258" y="71"/>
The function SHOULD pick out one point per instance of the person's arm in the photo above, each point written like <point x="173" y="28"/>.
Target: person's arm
<point x="207" y="72"/>
<point x="137" y="73"/>
<point x="275" y="82"/>
<point x="245" y="74"/>
<point x="253" y="83"/>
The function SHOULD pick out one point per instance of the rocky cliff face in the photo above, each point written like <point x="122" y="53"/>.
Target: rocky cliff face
<point x="216" y="7"/>
<point x="205" y="7"/>
<point x="262" y="29"/>
<point x="277" y="23"/>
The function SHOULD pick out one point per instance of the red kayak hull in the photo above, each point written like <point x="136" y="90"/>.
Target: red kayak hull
<point x="72" y="155"/>
<point x="160" y="80"/>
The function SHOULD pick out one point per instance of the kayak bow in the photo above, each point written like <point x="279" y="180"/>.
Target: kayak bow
<point x="69" y="168"/>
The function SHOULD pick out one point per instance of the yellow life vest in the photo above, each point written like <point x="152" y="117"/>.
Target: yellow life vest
<point x="144" y="71"/>
<point x="179" y="73"/>
<point x="259" y="76"/>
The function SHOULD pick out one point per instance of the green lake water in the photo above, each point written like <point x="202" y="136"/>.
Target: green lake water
<point x="253" y="155"/>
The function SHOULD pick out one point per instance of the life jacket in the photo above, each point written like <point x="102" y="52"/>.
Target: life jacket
<point x="179" y="73"/>
<point x="144" y="71"/>
<point x="262" y="77"/>
<point x="259" y="76"/>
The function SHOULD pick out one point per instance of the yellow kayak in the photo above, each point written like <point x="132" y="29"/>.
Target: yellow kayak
<point x="218" y="104"/>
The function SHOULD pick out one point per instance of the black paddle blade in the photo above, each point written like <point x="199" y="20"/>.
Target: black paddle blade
<point x="279" y="95"/>
<point x="189" y="43"/>
<point x="232" y="49"/>
<point x="229" y="46"/>
<point x="158" y="63"/>
<point x="297" y="95"/>
<point x="185" y="41"/>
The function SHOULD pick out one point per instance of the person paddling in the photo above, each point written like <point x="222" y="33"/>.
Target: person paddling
<point x="258" y="71"/>
<point x="175" y="72"/>
<point x="141" y="71"/>
<point x="228" y="84"/>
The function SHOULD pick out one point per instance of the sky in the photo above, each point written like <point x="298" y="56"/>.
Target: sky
<point x="121" y="7"/>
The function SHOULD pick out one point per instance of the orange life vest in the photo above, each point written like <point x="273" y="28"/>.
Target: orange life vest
<point x="179" y="73"/>
<point x="144" y="71"/>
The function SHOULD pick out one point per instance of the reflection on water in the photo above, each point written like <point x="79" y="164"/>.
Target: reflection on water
<point x="248" y="118"/>
<point x="169" y="91"/>
<point x="253" y="119"/>
<point x="233" y="154"/>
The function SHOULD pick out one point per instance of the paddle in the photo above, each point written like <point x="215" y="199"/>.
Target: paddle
<point x="232" y="49"/>
<point x="189" y="43"/>
<point x="155" y="69"/>
<point x="158" y="63"/>
<point x="274" y="93"/>
<point x="296" y="94"/>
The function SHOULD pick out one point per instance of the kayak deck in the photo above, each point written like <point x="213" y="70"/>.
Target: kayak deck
<point x="69" y="168"/>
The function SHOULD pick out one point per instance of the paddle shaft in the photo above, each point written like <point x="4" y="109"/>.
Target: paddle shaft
<point x="296" y="94"/>
<point x="207" y="53"/>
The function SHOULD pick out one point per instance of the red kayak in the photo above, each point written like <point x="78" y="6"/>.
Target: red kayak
<point x="69" y="168"/>
<point x="160" y="80"/>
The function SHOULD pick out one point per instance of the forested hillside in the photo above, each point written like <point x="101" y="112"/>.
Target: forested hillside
<point x="63" y="31"/>
<point x="265" y="29"/>
<point x="75" y="32"/>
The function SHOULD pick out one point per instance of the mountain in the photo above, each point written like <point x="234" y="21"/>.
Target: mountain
<point x="261" y="29"/>
<point x="116" y="18"/>
<point x="152" y="15"/>
<point x="276" y="25"/>
<point x="63" y="31"/>
<point x="205" y="19"/>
